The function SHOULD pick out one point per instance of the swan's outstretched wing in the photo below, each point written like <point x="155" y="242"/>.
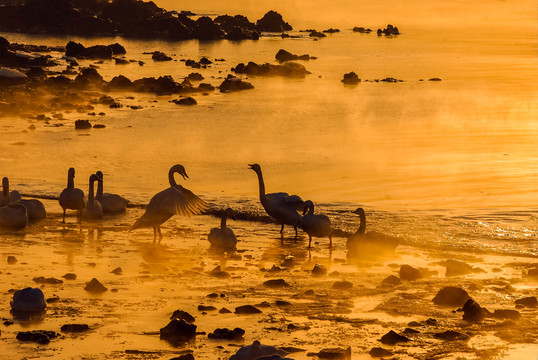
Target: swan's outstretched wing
<point x="285" y="199"/>
<point x="187" y="203"/>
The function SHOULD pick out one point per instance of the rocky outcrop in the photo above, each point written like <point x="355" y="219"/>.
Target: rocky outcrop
<point x="288" y="69"/>
<point x="362" y="30"/>
<point x="351" y="79"/>
<point x="389" y="30"/>
<point x="178" y="330"/>
<point x="28" y="300"/>
<point x="231" y="83"/>
<point x="451" y="296"/>
<point x="160" y="56"/>
<point x="237" y="27"/>
<point x="96" y="52"/>
<point x="283" y="55"/>
<point x="273" y="22"/>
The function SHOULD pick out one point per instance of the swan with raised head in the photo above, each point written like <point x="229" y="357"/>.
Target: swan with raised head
<point x="281" y="206"/>
<point x="35" y="210"/>
<point x="111" y="203"/>
<point x="223" y="238"/>
<point x="315" y="225"/>
<point x="368" y="244"/>
<point x="165" y="204"/>
<point x="93" y="208"/>
<point x="11" y="215"/>
<point x="71" y="197"/>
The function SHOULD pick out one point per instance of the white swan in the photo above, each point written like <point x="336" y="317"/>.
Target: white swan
<point x="11" y="215"/>
<point x="111" y="203"/>
<point x="281" y="206"/>
<point x="368" y="244"/>
<point x="174" y="200"/>
<point x="223" y="238"/>
<point x="93" y="209"/>
<point x="71" y="197"/>
<point x="315" y="225"/>
<point x="35" y="210"/>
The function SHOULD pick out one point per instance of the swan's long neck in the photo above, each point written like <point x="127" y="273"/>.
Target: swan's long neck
<point x="223" y="222"/>
<point x="99" y="189"/>
<point x="262" y="186"/>
<point x="5" y="194"/>
<point x="310" y="210"/>
<point x="362" y="226"/>
<point x="90" y="192"/>
<point x="70" y="181"/>
<point x="171" y="179"/>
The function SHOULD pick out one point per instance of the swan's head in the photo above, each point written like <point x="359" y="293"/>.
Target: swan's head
<point x="94" y="177"/>
<point x="99" y="174"/>
<point x="256" y="167"/>
<point x="71" y="172"/>
<point x="180" y="169"/>
<point x="5" y="186"/>
<point x="230" y="213"/>
<point x="360" y="211"/>
<point x="308" y="205"/>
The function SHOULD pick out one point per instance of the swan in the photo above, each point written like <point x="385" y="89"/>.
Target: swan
<point x="35" y="210"/>
<point x="281" y="206"/>
<point x="71" y="197"/>
<point x="367" y="244"/>
<point x="315" y="225"/>
<point x="223" y="238"/>
<point x="174" y="200"/>
<point x="93" y="209"/>
<point x="11" y="215"/>
<point x="111" y="203"/>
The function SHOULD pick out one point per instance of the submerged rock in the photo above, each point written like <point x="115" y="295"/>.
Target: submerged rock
<point x="44" y="280"/>
<point x="160" y="56"/>
<point x="361" y="30"/>
<point x="247" y="309"/>
<point x="232" y="83"/>
<point x="507" y="314"/>
<point x="276" y="283"/>
<point x="451" y="335"/>
<point x="227" y="334"/>
<point x="94" y="286"/>
<point x="182" y="315"/>
<point x="78" y="50"/>
<point x="409" y="273"/>
<point x="451" y="296"/>
<point x="380" y="352"/>
<point x="256" y="351"/>
<point x="351" y="79"/>
<point x="391" y="280"/>
<point x="392" y="338"/>
<point x="206" y="308"/>
<point x="472" y="311"/>
<point x="28" y="300"/>
<point x="335" y="353"/>
<point x="38" y="336"/>
<point x="178" y="330"/>
<point x="288" y="69"/>
<point x="188" y="101"/>
<point x="457" y="268"/>
<point x="342" y="285"/>
<point x="283" y="55"/>
<point x="75" y="328"/>
<point x="530" y="301"/>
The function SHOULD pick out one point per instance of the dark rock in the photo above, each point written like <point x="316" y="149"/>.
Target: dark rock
<point x="389" y="30"/>
<point x="182" y="315"/>
<point x="178" y="330"/>
<point x="28" y="300"/>
<point x="207" y="29"/>
<point x="451" y="335"/>
<point x="99" y="126"/>
<point x="409" y="273"/>
<point x="457" y="268"/>
<point x="234" y="84"/>
<point x="94" y="286"/>
<point x="331" y="31"/>
<point x="435" y="79"/>
<point x="391" y="280"/>
<point x="530" y="301"/>
<point x="276" y="283"/>
<point x="117" y="271"/>
<point x="206" y="308"/>
<point x="53" y="300"/>
<point x="342" y="285"/>
<point x="82" y="124"/>
<point x="430" y="322"/>
<point x="392" y="338"/>
<point x="189" y="101"/>
<point x="351" y="79"/>
<point x="237" y="27"/>
<point x="380" y="352"/>
<point x="288" y="69"/>
<point x="506" y="314"/>
<point x="204" y="87"/>
<point x="335" y="353"/>
<point x="390" y="80"/>
<point x="205" y="61"/>
<point x="282" y="303"/>
<point x="120" y="82"/>
<point x="70" y="276"/>
<point x="257" y="351"/>
<point x="224" y="311"/>
<point x="160" y="56"/>
<point x="11" y="260"/>
<point x="247" y="309"/>
<point x="183" y="357"/>
<point x="317" y="34"/>
<point x="319" y="270"/>
<point x="451" y="296"/>
<point x="195" y="77"/>
<point x="89" y="77"/>
<point x="227" y="334"/>
<point x="361" y="29"/>
<point x="38" y="336"/>
<point x="44" y="280"/>
<point x="283" y="55"/>
<point x="120" y="61"/>
<point x="273" y="22"/>
<point x="410" y="331"/>
<point x="75" y="328"/>
<point x="77" y="50"/>
<point x="472" y="311"/>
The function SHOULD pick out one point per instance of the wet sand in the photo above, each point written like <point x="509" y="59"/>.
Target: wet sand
<point x="176" y="275"/>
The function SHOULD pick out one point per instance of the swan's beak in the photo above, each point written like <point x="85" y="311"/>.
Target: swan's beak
<point x="185" y="176"/>
<point x="251" y="166"/>
<point x="98" y="178"/>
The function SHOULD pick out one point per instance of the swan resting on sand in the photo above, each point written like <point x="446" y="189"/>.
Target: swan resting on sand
<point x="165" y="204"/>
<point x="280" y="206"/>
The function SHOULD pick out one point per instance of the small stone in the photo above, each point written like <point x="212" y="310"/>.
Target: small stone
<point x="178" y="330"/>
<point x="409" y="273"/>
<point x="82" y="124"/>
<point x="392" y="280"/>
<point x="224" y="311"/>
<point x="94" y="286"/>
<point x="392" y="338"/>
<point x="70" y="276"/>
<point x="188" y="101"/>
<point x="342" y="285"/>
<point x="75" y="328"/>
<point x="282" y="303"/>
<point x="212" y="295"/>
<point x="276" y="283"/>
<point x="227" y="334"/>
<point x="247" y="309"/>
<point x="42" y="337"/>
<point x="457" y="268"/>
<point x="206" y="308"/>
<point x="335" y="353"/>
<point x="506" y="314"/>
<point x="451" y="335"/>
<point x="53" y="300"/>
<point x="319" y="270"/>
<point x="530" y="301"/>
<point x="451" y="296"/>
<point x="411" y="331"/>
<point x="472" y="311"/>
<point x="380" y="352"/>
<point x="11" y="260"/>
<point x="182" y="315"/>
<point x="44" y="280"/>
<point x="117" y="271"/>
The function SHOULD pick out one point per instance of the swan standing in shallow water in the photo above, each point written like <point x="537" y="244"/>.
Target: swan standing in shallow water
<point x="111" y="203"/>
<point x="72" y="198"/>
<point x="315" y="225"/>
<point x="281" y="206"/>
<point x="369" y="244"/>
<point x="223" y="238"/>
<point x="11" y="215"/>
<point x="174" y="200"/>
<point x="93" y="209"/>
<point x="35" y="210"/>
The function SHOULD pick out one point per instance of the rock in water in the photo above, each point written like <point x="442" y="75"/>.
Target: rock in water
<point x="335" y="353"/>
<point x="351" y="79"/>
<point x="94" y="286"/>
<point x="507" y="314"/>
<point x="451" y="335"/>
<point x="530" y="301"/>
<point x="409" y="273"/>
<point x="319" y="270"/>
<point x="247" y="309"/>
<point x="380" y="352"/>
<point x="273" y="22"/>
<point x="276" y="283"/>
<point x="75" y="328"/>
<point x="178" y="330"/>
<point x="457" y="268"/>
<point x="392" y="338"/>
<point x="451" y="296"/>
<point x="185" y="101"/>
<point x="39" y="336"/>
<point x="472" y="311"/>
<point x="11" y="260"/>
<point x="391" y="281"/>
<point x="256" y="351"/>
<point x="182" y="315"/>
<point x="82" y="124"/>
<point x="227" y="334"/>
<point x="28" y="300"/>
<point x="342" y="285"/>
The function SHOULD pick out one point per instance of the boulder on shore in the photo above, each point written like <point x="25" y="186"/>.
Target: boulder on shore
<point x="28" y="300"/>
<point x="451" y="296"/>
<point x="273" y="22"/>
